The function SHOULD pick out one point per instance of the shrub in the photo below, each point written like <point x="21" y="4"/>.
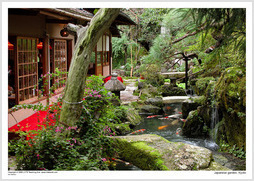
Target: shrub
<point x="152" y="75"/>
<point x="86" y="147"/>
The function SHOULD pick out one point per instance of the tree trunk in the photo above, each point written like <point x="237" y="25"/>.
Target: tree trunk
<point x="87" y="39"/>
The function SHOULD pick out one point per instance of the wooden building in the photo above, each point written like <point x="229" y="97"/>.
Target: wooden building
<point x="38" y="44"/>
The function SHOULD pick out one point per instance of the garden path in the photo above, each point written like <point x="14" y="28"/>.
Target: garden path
<point x="127" y="95"/>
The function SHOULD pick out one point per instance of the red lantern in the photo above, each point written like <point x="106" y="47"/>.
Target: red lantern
<point x="10" y="46"/>
<point x="40" y="46"/>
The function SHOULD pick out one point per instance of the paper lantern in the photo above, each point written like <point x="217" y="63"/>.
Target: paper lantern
<point x="10" y="46"/>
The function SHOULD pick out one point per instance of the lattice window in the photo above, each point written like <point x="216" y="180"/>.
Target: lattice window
<point x="60" y="61"/>
<point x="27" y="68"/>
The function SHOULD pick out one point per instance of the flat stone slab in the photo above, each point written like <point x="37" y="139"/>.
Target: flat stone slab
<point x="177" y="75"/>
<point x="174" y="99"/>
<point x="152" y="152"/>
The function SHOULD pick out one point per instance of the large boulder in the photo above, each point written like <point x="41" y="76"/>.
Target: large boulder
<point x="152" y="152"/>
<point x="190" y="105"/>
<point x="151" y="109"/>
<point x="157" y="101"/>
<point x="128" y="118"/>
<point x="169" y="90"/>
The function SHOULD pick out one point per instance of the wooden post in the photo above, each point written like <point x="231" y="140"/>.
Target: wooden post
<point x="16" y="71"/>
<point x="45" y="67"/>
<point x="186" y="72"/>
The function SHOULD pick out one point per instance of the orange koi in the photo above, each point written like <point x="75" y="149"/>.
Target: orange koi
<point x="162" y="127"/>
<point x="153" y="116"/>
<point x="180" y="113"/>
<point x="168" y="107"/>
<point x="138" y="131"/>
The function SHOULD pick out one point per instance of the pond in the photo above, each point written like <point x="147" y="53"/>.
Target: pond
<point x="170" y="128"/>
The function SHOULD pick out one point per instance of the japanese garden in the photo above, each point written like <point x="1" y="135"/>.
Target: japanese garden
<point x="128" y="89"/>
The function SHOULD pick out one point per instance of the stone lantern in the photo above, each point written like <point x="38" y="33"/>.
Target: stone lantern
<point x="114" y="85"/>
<point x="173" y="81"/>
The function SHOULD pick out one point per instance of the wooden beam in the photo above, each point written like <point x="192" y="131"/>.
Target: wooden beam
<point x="61" y="21"/>
<point x="54" y="15"/>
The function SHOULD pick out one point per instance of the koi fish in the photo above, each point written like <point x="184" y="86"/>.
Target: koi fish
<point x="183" y="120"/>
<point x="138" y="131"/>
<point x="175" y="116"/>
<point x="180" y="113"/>
<point x="168" y="107"/>
<point x="178" y="131"/>
<point x="164" y="117"/>
<point x="153" y="116"/>
<point x="162" y="127"/>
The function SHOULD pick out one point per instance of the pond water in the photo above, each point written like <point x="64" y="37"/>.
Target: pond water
<point x="167" y="128"/>
<point x="170" y="129"/>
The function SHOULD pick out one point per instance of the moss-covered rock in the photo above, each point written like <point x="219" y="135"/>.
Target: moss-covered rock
<point x="157" y="101"/>
<point x="187" y="106"/>
<point x="201" y="85"/>
<point x="150" y="109"/>
<point x="128" y="118"/>
<point x="231" y="96"/>
<point x="133" y="117"/>
<point x="216" y="166"/>
<point x="121" y="129"/>
<point x="169" y="90"/>
<point x="194" y="125"/>
<point x="152" y="152"/>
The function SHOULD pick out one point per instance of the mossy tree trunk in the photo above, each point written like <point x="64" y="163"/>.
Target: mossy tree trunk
<point x="87" y="38"/>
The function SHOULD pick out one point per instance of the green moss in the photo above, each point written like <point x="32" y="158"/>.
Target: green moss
<point x="200" y="100"/>
<point x="201" y="85"/>
<point x="121" y="128"/>
<point x="231" y="96"/>
<point x="133" y="116"/>
<point x="163" y="139"/>
<point x="216" y="166"/>
<point x="141" y="155"/>
<point x="180" y="146"/>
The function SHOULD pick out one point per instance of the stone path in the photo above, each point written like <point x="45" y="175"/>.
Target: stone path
<point x="127" y="95"/>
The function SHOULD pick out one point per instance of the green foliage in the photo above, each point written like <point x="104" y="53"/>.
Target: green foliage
<point x="230" y="23"/>
<point x="234" y="150"/>
<point x="201" y="85"/>
<point x="46" y="151"/>
<point x="150" y="21"/>
<point x="119" y="48"/>
<point x="152" y="75"/>
<point x="182" y="85"/>
<point x="87" y="146"/>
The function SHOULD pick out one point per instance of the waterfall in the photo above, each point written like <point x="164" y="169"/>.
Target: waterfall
<point x="214" y="121"/>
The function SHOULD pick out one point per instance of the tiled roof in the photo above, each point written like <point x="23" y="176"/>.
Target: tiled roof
<point x="77" y="11"/>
